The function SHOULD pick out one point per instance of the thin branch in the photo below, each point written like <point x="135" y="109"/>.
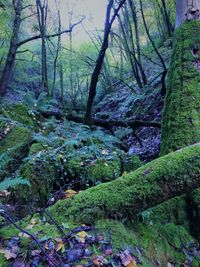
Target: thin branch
<point x="50" y="35"/>
<point x="8" y="218"/>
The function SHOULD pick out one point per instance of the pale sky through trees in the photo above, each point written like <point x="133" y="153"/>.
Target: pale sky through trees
<point x="94" y="10"/>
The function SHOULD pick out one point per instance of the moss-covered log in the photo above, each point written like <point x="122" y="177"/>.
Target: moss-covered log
<point x="181" y="120"/>
<point x="157" y="181"/>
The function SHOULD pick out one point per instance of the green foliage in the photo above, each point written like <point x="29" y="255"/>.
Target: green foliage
<point x="40" y="103"/>
<point x="6" y="157"/>
<point x="18" y="113"/>
<point x="12" y="182"/>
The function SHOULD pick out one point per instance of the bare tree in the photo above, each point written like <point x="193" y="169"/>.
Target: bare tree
<point x="15" y="43"/>
<point x="7" y="71"/>
<point x="42" y="8"/>
<point x="99" y="63"/>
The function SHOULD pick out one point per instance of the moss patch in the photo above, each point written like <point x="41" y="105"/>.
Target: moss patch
<point x="18" y="113"/>
<point x="18" y="135"/>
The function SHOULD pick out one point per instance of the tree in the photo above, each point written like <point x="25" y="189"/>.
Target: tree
<point x="172" y="174"/>
<point x="187" y="10"/>
<point x="99" y="63"/>
<point x="15" y="43"/>
<point x="42" y="9"/>
<point x="7" y="71"/>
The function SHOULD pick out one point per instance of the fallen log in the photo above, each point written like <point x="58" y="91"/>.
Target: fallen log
<point x="108" y="124"/>
<point x="160" y="180"/>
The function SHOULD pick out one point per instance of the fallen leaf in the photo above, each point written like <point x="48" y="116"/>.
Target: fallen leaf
<point x="49" y="245"/>
<point x="81" y="236"/>
<point x="59" y="245"/>
<point x="104" y="152"/>
<point x="33" y="222"/>
<point x="8" y="254"/>
<point x="132" y="264"/>
<point x="21" y="234"/>
<point x="70" y="193"/>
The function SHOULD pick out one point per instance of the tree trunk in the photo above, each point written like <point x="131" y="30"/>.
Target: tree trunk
<point x="181" y="119"/>
<point x="100" y="59"/>
<point x="42" y="20"/>
<point x="187" y="10"/>
<point x="157" y="181"/>
<point x="7" y="71"/>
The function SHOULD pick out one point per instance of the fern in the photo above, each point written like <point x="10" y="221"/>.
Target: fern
<point x="9" y="182"/>
<point x="7" y="156"/>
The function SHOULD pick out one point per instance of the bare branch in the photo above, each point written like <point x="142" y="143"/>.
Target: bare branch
<point x="50" y="35"/>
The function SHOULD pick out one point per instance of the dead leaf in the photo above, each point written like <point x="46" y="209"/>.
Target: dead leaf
<point x="21" y="234"/>
<point x="33" y="222"/>
<point x="81" y="236"/>
<point x="70" y="193"/>
<point x="59" y="245"/>
<point x="132" y="264"/>
<point x="8" y="254"/>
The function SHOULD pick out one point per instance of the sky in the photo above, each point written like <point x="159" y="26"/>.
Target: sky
<point x="93" y="10"/>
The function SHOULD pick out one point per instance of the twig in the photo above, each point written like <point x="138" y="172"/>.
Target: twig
<point x="7" y="217"/>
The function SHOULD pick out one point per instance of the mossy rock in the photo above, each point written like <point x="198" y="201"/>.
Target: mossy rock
<point x="18" y="135"/>
<point x="132" y="163"/>
<point x="171" y="211"/>
<point x="37" y="147"/>
<point x="13" y="147"/>
<point x="19" y="113"/>
<point x="103" y="171"/>
<point x="43" y="176"/>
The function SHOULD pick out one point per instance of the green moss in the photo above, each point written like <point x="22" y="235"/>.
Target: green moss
<point x="155" y="241"/>
<point x="132" y="163"/>
<point x="73" y="167"/>
<point x="173" y="210"/>
<point x="181" y="119"/>
<point x="37" y="147"/>
<point x="18" y="135"/>
<point x="123" y="196"/>
<point x="103" y="171"/>
<point x="19" y="113"/>
<point x="42" y="174"/>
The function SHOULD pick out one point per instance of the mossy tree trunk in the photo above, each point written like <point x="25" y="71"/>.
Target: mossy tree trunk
<point x="187" y="10"/>
<point x="181" y="119"/>
<point x="150" y="185"/>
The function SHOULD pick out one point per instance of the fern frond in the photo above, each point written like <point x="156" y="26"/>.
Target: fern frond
<point x="9" y="182"/>
<point x="7" y="156"/>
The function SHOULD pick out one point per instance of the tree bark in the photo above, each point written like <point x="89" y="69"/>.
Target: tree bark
<point x="42" y="21"/>
<point x="148" y="186"/>
<point x="181" y="117"/>
<point x="187" y="10"/>
<point x="7" y="71"/>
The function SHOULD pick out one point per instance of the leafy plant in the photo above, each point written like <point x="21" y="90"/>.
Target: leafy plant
<point x="11" y="182"/>
<point x="42" y="102"/>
